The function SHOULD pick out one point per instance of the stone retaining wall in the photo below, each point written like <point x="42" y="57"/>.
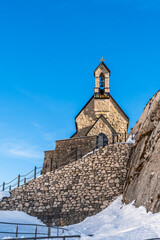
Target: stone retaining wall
<point x="75" y="191"/>
<point x="68" y="150"/>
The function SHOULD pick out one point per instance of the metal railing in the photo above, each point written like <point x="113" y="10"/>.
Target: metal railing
<point x="34" y="231"/>
<point x="152" y="239"/>
<point x="68" y="237"/>
<point x="70" y="157"/>
<point x="74" y="155"/>
<point x="21" y="179"/>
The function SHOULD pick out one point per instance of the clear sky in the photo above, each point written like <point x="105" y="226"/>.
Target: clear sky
<point x="48" y="52"/>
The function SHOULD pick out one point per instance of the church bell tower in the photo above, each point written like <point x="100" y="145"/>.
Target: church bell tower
<point x="102" y="74"/>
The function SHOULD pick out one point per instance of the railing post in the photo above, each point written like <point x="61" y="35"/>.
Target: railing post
<point x="49" y="232"/>
<point x="18" y="180"/>
<point x="57" y="231"/>
<point x="25" y="180"/>
<point x="17" y="231"/>
<point x="50" y="164"/>
<point x="3" y="186"/>
<point x="125" y="136"/>
<point x="9" y="187"/>
<point x="35" y="232"/>
<point x="35" y="172"/>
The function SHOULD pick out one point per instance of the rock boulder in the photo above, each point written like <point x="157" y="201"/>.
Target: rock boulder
<point x="143" y="178"/>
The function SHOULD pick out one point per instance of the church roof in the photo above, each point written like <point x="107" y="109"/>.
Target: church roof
<point x="119" y="107"/>
<point x="84" y="106"/>
<point x="82" y="132"/>
<point x="104" y="65"/>
<point x="113" y="101"/>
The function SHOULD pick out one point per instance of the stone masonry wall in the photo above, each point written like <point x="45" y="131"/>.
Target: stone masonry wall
<point x="101" y="105"/>
<point x="75" y="191"/>
<point x="67" y="151"/>
<point x="100" y="127"/>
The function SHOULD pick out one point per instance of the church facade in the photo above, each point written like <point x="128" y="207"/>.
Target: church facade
<point x="100" y="122"/>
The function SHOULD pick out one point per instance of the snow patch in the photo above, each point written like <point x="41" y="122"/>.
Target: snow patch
<point x="18" y="217"/>
<point x="4" y="194"/>
<point x="119" y="222"/>
<point x="89" y="153"/>
<point x="131" y="139"/>
<point x="23" y="218"/>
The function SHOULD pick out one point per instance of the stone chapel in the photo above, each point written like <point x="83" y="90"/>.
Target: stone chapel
<point x="100" y="122"/>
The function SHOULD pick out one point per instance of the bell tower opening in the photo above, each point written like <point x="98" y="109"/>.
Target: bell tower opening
<point x="101" y="84"/>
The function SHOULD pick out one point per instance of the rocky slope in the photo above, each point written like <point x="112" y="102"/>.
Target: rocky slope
<point x="143" y="178"/>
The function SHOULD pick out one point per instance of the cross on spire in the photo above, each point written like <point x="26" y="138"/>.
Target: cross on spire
<point x="102" y="59"/>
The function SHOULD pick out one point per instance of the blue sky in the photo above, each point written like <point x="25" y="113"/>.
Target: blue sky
<point x="48" y="52"/>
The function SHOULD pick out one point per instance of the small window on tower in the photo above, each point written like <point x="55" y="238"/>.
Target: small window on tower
<point x="101" y="84"/>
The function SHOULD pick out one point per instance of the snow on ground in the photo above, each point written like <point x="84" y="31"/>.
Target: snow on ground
<point x="120" y="222"/>
<point x="17" y="217"/>
<point x="21" y="217"/>
<point x="116" y="222"/>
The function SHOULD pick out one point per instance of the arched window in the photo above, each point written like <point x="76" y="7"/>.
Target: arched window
<point x="102" y="140"/>
<point x="101" y="83"/>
